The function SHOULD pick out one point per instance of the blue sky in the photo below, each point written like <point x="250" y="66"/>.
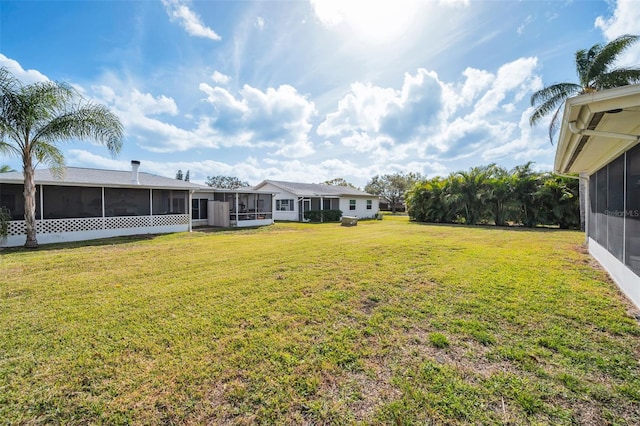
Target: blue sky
<point x="311" y="90"/>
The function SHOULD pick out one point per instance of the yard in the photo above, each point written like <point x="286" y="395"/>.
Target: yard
<point x="386" y="322"/>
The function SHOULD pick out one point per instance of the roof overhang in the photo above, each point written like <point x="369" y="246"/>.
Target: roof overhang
<point x="596" y="128"/>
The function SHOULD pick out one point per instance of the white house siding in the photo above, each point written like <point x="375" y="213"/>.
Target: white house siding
<point x="282" y="195"/>
<point x="624" y="277"/>
<point x="318" y="194"/>
<point x="361" y="210"/>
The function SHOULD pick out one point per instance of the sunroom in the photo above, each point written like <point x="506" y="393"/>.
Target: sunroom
<point x="599" y="141"/>
<point x="85" y="204"/>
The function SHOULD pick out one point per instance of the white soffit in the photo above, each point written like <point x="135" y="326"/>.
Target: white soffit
<point x="596" y="128"/>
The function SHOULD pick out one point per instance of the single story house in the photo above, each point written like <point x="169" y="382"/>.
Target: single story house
<point x="293" y="199"/>
<point x="85" y="204"/>
<point x="598" y="140"/>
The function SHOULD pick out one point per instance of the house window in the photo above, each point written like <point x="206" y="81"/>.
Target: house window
<point x="369" y="204"/>
<point x="284" y="205"/>
<point x="352" y="204"/>
<point x="199" y="208"/>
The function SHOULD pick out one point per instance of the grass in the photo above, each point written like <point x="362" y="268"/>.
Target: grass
<point x="386" y="322"/>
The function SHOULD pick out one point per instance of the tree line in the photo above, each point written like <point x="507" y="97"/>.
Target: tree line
<point x="494" y="195"/>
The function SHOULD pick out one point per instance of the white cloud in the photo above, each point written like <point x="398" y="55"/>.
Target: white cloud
<point x="515" y="78"/>
<point x="278" y="117"/>
<point x="436" y="121"/>
<point x="178" y="10"/>
<point x="522" y="26"/>
<point x="455" y="3"/>
<point x="625" y="20"/>
<point x="360" y="110"/>
<point x="376" y="22"/>
<point x="522" y="148"/>
<point x="259" y="23"/>
<point x="220" y="78"/>
<point x="26" y="76"/>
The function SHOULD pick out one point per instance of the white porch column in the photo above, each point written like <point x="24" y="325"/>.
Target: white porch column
<point x="103" y="208"/>
<point x="41" y="203"/>
<point x="237" y="205"/>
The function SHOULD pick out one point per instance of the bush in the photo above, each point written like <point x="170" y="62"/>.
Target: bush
<point x="323" y="215"/>
<point x="5" y="217"/>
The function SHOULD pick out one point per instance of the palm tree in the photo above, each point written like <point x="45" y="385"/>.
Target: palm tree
<point x="35" y="118"/>
<point x="467" y="191"/>
<point x="595" y="72"/>
<point x="6" y="169"/>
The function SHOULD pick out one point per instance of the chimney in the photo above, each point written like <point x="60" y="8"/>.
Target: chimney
<point x="134" y="172"/>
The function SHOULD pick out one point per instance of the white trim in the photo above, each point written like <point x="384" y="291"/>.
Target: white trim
<point x="625" y="278"/>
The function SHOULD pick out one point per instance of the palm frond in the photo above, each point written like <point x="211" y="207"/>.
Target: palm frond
<point x="8" y="83"/>
<point x="554" y="124"/>
<point x="608" y="54"/>
<point x="87" y="121"/>
<point x="551" y="92"/>
<point x="617" y="78"/>
<point x="9" y="149"/>
<point x="551" y="98"/>
<point x="583" y="65"/>
<point x="50" y="155"/>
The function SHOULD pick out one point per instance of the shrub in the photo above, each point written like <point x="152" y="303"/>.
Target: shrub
<point x="323" y="215"/>
<point x="5" y="217"/>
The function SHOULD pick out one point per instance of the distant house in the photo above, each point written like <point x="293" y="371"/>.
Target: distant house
<point x="85" y="204"/>
<point x="599" y="142"/>
<point x="293" y="199"/>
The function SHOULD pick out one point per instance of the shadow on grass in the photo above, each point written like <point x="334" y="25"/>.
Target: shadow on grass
<point x="126" y="239"/>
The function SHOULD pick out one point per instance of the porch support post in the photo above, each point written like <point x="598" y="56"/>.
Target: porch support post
<point x="190" y="209"/>
<point x="237" y="205"/>
<point x="103" y="208"/>
<point x="321" y="208"/>
<point x="41" y="202"/>
<point x="150" y="207"/>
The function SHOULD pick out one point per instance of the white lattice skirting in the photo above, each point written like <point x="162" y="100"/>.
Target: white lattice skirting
<point x="62" y="230"/>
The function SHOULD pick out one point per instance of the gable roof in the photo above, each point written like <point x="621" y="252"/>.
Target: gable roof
<point x="76" y="176"/>
<point x="314" y="189"/>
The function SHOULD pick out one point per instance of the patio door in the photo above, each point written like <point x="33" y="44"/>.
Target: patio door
<point x="305" y="206"/>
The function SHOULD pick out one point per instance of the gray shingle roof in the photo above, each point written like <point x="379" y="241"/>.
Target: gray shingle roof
<point x="96" y="177"/>
<point x="316" y="189"/>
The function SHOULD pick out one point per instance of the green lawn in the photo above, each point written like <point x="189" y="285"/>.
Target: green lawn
<point x="386" y="322"/>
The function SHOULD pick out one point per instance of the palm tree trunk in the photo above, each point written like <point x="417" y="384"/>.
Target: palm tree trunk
<point x="29" y="202"/>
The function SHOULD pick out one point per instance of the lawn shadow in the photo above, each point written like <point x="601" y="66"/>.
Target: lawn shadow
<point x="125" y="239"/>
